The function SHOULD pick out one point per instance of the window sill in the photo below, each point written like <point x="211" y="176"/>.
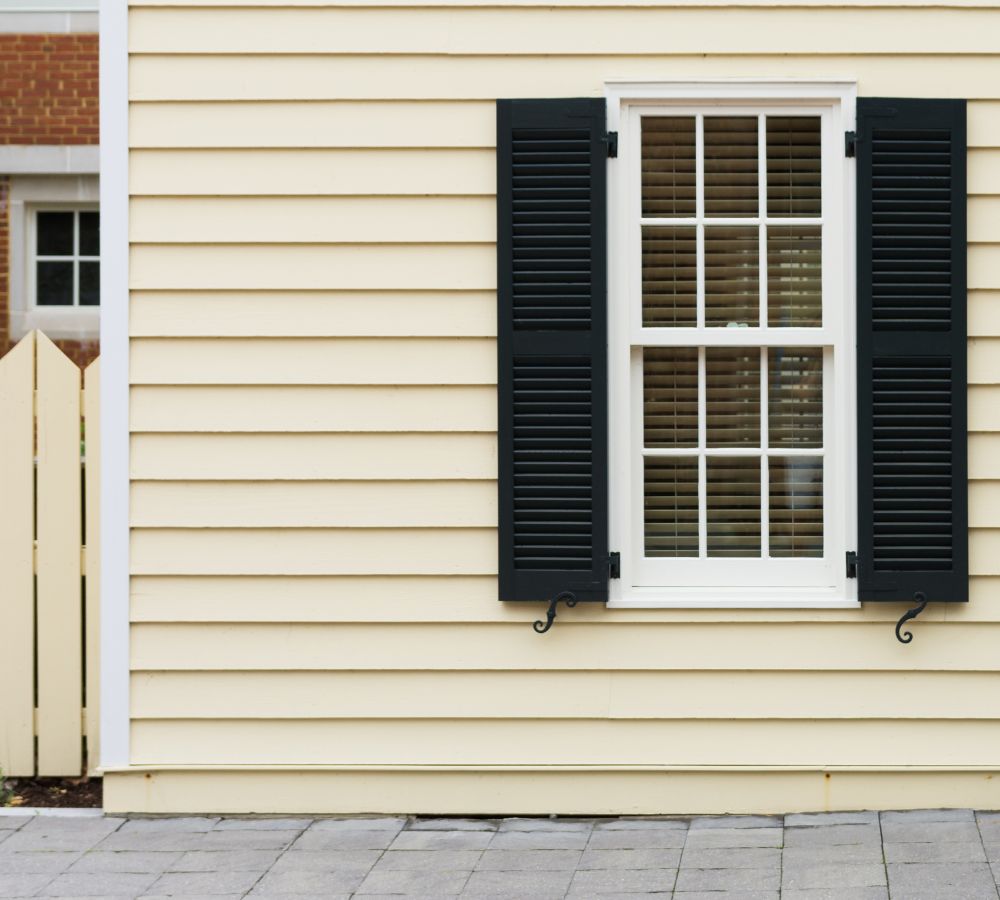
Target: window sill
<point x="756" y="598"/>
<point x="74" y="323"/>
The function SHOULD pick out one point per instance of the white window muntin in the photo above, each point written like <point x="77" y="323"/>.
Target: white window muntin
<point x="715" y="581"/>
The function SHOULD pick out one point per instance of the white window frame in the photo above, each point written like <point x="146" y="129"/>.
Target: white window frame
<point x="711" y="582"/>
<point x="28" y="196"/>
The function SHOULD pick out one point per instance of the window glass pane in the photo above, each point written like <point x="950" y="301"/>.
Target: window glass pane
<point x="733" y="506"/>
<point x="796" y="506"/>
<point x="90" y="283"/>
<point x="90" y="234"/>
<point x="668" y="164"/>
<point x="671" y="498"/>
<point x="670" y="396"/>
<point x="54" y="283"/>
<point x="731" y="166"/>
<point x="669" y="277"/>
<point x="795" y="397"/>
<point x="732" y="397"/>
<point x="55" y="233"/>
<point x="793" y="166"/>
<point x="732" y="276"/>
<point x="794" y="277"/>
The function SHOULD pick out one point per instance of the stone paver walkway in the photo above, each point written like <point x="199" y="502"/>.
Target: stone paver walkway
<point x="921" y="855"/>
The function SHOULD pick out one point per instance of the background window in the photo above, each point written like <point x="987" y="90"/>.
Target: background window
<point x="67" y="266"/>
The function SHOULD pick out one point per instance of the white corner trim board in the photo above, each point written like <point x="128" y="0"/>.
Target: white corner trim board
<point x="114" y="386"/>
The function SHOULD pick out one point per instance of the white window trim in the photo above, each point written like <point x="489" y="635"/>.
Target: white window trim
<point x="837" y="99"/>
<point x="29" y="194"/>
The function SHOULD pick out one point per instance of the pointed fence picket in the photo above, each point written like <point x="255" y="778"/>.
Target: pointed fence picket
<point x="48" y="569"/>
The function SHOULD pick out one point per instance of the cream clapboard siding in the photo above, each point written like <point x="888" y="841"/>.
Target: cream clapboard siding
<point x="314" y="452"/>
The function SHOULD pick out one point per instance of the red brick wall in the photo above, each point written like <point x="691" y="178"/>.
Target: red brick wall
<point x="48" y="89"/>
<point x="48" y="95"/>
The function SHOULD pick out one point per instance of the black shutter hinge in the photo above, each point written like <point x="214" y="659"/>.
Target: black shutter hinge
<point x="850" y="144"/>
<point x="615" y="565"/>
<point x="611" y="138"/>
<point x="852" y="564"/>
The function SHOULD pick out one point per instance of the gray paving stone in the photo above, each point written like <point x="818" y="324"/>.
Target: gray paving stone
<point x="439" y="860"/>
<point x="98" y="884"/>
<point x="987" y="815"/>
<point x="238" y="824"/>
<point x="517" y="824"/>
<point x="387" y="896"/>
<point x="735" y="822"/>
<point x="178" y="823"/>
<point x="632" y="895"/>
<point x="384" y="823"/>
<point x="725" y="895"/>
<point x="539" y="840"/>
<point x="211" y="897"/>
<point x="74" y="824"/>
<point x="731" y="858"/>
<point x="831" y="818"/>
<point x="226" y="861"/>
<point x="665" y="838"/>
<point x="534" y="885"/>
<point x="409" y="881"/>
<point x="51" y="841"/>
<point x="137" y="861"/>
<point x="37" y="863"/>
<point x="640" y="824"/>
<point x="442" y="840"/>
<point x="946" y="851"/>
<point x="163" y="841"/>
<point x="929" y="815"/>
<point x="528" y="860"/>
<point x="12" y="823"/>
<point x="822" y="835"/>
<point x="734" y="838"/>
<point x="832" y="875"/>
<point x="23" y="884"/>
<point x="658" y="858"/>
<point x="767" y="879"/>
<point x="847" y="893"/>
<point x="833" y="853"/>
<point x="929" y="832"/>
<point x="452" y="825"/>
<point x="185" y="883"/>
<point x="607" y="881"/>
<point x="949" y="879"/>
<point x="326" y="860"/>
<point x="310" y="882"/>
<point x="344" y="840"/>
<point x="247" y="840"/>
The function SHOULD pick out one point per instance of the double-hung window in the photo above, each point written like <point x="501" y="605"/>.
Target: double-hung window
<point x="731" y="348"/>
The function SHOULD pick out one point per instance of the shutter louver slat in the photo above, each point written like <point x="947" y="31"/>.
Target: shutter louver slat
<point x="551" y="349"/>
<point x="912" y="468"/>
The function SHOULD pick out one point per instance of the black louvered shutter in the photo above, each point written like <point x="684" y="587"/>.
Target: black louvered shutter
<point x="912" y="444"/>
<point x="552" y="348"/>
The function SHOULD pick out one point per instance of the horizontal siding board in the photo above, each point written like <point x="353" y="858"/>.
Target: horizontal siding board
<point x="312" y="125"/>
<point x="570" y="741"/>
<point x="312" y="409"/>
<point x="564" y="695"/>
<point x="309" y="361"/>
<point x="984" y="313"/>
<point x="321" y="76"/>
<point x="313" y="220"/>
<point x="314" y="504"/>
<point x="293" y="457"/>
<point x="487" y="31"/>
<point x="460" y="267"/>
<point x="277" y="314"/>
<point x="300" y="551"/>
<point x="665" y="646"/>
<point x="320" y="171"/>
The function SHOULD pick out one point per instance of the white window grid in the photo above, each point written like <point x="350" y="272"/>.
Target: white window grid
<point x="714" y="581"/>
<point x="75" y="258"/>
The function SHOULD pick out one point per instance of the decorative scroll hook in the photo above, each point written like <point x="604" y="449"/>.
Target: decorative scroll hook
<point x="550" y="615"/>
<point x="920" y="598"/>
